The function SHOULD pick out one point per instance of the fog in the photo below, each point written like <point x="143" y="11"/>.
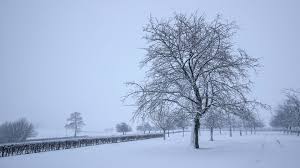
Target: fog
<point x="57" y="57"/>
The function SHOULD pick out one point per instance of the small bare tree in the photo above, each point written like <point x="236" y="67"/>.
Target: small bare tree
<point x="161" y="116"/>
<point x="16" y="131"/>
<point x="75" y="122"/>
<point x="182" y="120"/>
<point x="287" y="114"/>
<point x="123" y="127"/>
<point x="231" y="122"/>
<point x="252" y="122"/>
<point x="145" y="126"/>
<point x="213" y="120"/>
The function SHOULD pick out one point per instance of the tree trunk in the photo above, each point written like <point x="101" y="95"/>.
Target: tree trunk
<point x="199" y="131"/>
<point x="164" y="132"/>
<point x="230" y="131"/>
<point x="220" y="131"/>
<point x="240" y="132"/>
<point x="75" y="127"/>
<point x="196" y="131"/>
<point x="168" y="133"/>
<point x="182" y="132"/>
<point x="211" y="134"/>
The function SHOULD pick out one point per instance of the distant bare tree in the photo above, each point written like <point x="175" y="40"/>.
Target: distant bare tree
<point x="231" y="123"/>
<point x="194" y="65"/>
<point x="213" y="120"/>
<point x="144" y="127"/>
<point x="123" y="127"/>
<point x="75" y="122"/>
<point x="239" y="125"/>
<point x="162" y="117"/>
<point x="252" y="122"/>
<point x="16" y="131"/>
<point x="141" y="128"/>
<point x="258" y="123"/>
<point x="287" y="114"/>
<point x="182" y="120"/>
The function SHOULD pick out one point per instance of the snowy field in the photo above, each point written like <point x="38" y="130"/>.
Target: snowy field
<point x="264" y="150"/>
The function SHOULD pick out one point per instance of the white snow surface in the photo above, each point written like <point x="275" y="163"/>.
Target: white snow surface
<point x="263" y="150"/>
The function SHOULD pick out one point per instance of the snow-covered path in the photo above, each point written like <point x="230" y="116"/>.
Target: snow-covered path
<point x="254" y="151"/>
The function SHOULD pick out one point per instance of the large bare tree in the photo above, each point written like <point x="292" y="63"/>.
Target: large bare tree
<point x="193" y="65"/>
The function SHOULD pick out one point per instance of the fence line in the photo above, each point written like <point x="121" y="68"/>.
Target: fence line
<point x="36" y="147"/>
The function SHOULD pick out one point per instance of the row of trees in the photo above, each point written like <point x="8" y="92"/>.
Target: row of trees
<point x="219" y="120"/>
<point x="165" y="124"/>
<point x="75" y="122"/>
<point x="193" y="70"/>
<point x="212" y="121"/>
<point x="22" y="129"/>
<point x="287" y="114"/>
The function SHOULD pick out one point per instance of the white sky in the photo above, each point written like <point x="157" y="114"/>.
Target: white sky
<point x="57" y="57"/>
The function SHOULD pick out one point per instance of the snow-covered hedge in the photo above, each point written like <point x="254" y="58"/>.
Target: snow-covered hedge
<point x="36" y="147"/>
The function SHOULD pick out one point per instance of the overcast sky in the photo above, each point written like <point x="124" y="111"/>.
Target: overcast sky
<point x="57" y="57"/>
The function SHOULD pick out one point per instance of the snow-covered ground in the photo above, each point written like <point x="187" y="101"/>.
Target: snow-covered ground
<point x="264" y="150"/>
